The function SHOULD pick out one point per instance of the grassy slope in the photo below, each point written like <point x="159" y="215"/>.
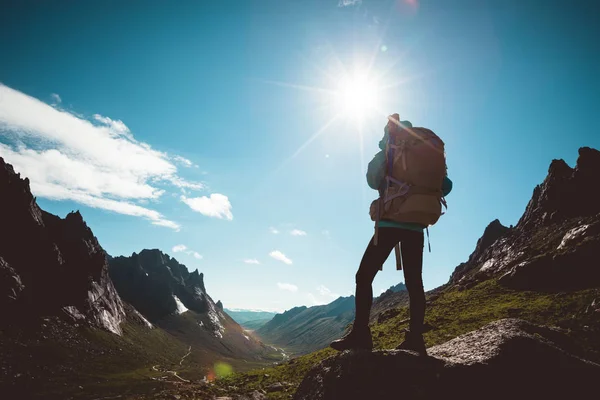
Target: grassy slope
<point x="61" y="361"/>
<point x="454" y="313"/>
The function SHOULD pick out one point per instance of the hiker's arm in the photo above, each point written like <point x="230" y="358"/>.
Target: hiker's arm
<point x="376" y="171"/>
<point x="446" y="186"/>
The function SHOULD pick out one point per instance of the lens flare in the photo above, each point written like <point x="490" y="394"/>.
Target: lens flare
<point x="223" y="369"/>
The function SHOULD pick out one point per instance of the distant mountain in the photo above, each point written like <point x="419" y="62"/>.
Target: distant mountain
<point x="392" y="298"/>
<point x="304" y="329"/>
<point x="168" y="295"/>
<point x="400" y="287"/>
<point x="250" y="319"/>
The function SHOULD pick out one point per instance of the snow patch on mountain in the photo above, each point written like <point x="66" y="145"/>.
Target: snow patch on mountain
<point x="180" y="307"/>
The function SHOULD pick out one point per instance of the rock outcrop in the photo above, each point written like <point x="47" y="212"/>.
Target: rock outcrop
<point x="566" y="192"/>
<point x="508" y="358"/>
<point x="556" y="244"/>
<point x="49" y="265"/>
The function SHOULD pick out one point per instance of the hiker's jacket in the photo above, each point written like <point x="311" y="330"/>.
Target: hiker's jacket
<point x="376" y="180"/>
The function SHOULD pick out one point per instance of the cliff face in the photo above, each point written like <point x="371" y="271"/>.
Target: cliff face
<point x="49" y="265"/>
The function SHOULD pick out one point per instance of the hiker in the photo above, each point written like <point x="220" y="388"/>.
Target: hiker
<point x="410" y="174"/>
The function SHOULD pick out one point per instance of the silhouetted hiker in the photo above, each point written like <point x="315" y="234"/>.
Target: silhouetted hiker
<point x="410" y="174"/>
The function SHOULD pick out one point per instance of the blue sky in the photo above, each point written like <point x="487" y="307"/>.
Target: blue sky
<point x="191" y="124"/>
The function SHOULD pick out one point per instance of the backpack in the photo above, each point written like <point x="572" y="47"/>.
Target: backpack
<point x="415" y="170"/>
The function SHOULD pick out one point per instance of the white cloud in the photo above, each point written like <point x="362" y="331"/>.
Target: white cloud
<point x="251" y="261"/>
<point x="287" y="286"/>
<point x="117" y="127"/>
<point x="56" y="98"/>
<point x="217" y="205"/>
<point x="179" y="247"/>
<point x="274" y="231"/>
<point x="183" y="248"/>
<point x="297" y="232"/>
<point x="346" y="3"/>
<point x="183" y="161"/>
<point x="94" y="162"/>
<point x="324" y="291"/>
<point x="279" y="256"/>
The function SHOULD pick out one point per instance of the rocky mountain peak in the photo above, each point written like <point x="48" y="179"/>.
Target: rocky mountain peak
<point x="492" y="232"/>
<point x="566" y="192"/>
<point x="55" y="266"/>
<point x="555" y="244"/>
<point x="196" y="279"/>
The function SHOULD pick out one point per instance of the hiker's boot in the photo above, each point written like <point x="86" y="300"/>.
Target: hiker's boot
<point x="359" y="339"/>
<point x="414" y="342"/>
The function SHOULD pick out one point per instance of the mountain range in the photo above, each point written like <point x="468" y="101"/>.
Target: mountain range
<point x="523" y="311"/>
<point x="250" y="319"/>
<point x="70" y="310"/>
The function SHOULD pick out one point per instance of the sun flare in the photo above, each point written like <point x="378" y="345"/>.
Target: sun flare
<point x="357" y="96"/>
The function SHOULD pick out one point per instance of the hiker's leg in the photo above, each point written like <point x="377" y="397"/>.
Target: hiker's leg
<point x="412" y="257"/>
<point x="372" y="260"/>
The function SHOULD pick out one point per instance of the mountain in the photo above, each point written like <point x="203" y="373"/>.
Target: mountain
<point x="385" y="306"/>
<point x="40" y="253"/>
<point x="556" y="244"/>
<point x="250" y="319"/>
<point x="65" y="331"/>
<point x="305" y="329"/>
<point x="172" y="298"/>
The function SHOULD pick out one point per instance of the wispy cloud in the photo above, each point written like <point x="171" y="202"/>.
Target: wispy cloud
<point x="279" y="256"/>
<point x="274" y="231"/>
<point x="56" y="98"/>
<point x="287" y="286"/>
<point x="324" y="291"/>
<point x="297" y="232"/>
<point x="183" y="161"/>
<point x="251" y="261"/>
<point x="346" y="3"/>
<point x="178" y="248"/>
<point x="217" y="205"/>
<point x="95" y="162"/>
<point x="182" y="248"/>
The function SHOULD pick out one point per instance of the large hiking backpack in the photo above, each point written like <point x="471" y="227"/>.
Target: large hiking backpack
<point x="415" y="170"/>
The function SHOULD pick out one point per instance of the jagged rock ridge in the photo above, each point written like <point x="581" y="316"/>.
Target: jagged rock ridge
<point x="176" y="300"/>
<point x="49" y="265"/>
<point x="555" y="245"/>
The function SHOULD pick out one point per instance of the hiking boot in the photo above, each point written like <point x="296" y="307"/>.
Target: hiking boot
<point x="414" y="342"/>
<point x="355" y="340"/>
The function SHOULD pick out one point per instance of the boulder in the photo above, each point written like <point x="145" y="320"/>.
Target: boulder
<point x="509" y="358"/>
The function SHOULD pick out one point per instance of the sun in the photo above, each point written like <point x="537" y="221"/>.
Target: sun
<point x="357" y="96"/>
